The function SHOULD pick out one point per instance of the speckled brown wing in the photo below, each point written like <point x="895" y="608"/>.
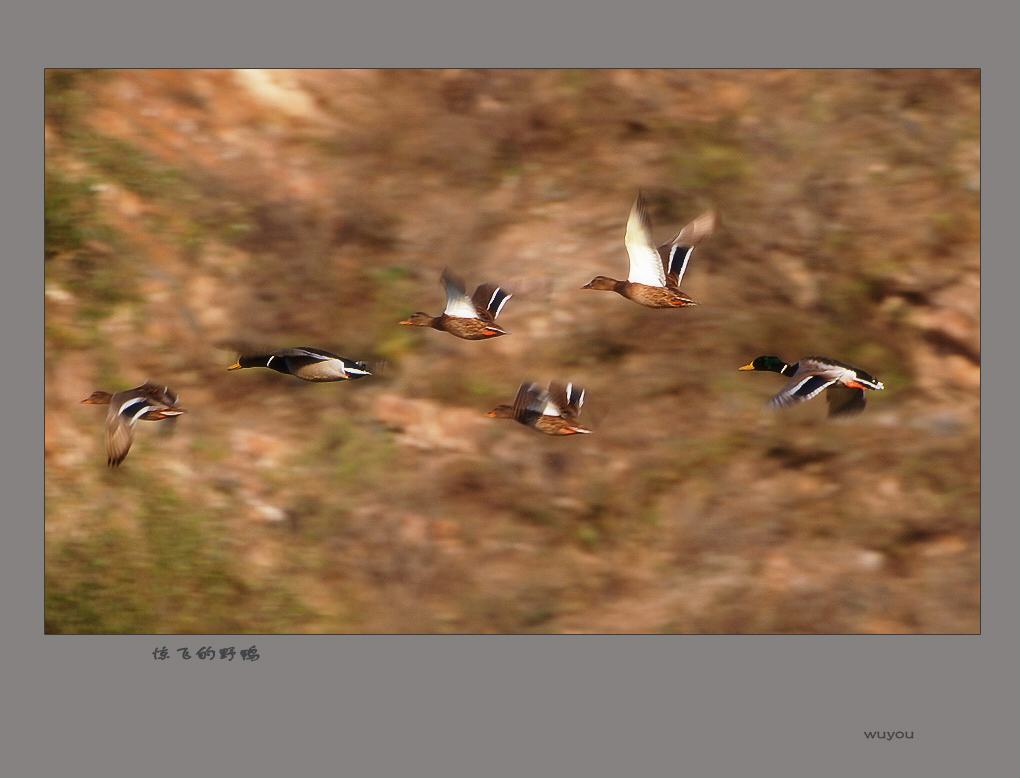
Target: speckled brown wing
<point x="469" y="329"/>
<point x="120" y="432"/>
<point x="527" y="403"/>
<point x="657" y="296"/>
<point x="158" y="396"/>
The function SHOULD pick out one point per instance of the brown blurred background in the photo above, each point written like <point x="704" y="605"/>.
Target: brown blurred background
<point x="192" y="212"/>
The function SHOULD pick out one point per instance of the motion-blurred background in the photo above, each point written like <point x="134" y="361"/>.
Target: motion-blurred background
<point x="192" y="212"/>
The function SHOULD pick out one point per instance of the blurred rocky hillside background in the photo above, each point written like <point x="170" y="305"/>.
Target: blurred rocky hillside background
<point x="192" y="212"/>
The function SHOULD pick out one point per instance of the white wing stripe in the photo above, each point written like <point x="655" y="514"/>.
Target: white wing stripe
<point x="683" y="267"/>
<point x="788" y="393"/>
<point x="499" y="308"/>
<point x="140" y="412"/>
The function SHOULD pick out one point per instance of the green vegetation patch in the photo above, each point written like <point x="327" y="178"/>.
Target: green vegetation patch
<point x="176" y="575"/>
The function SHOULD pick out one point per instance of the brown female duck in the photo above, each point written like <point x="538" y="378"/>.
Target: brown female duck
<point x="470" y="318"/>
<point x="148" y="402"/>
<point x="655" y="274"/>
<point x="552" y="412"/>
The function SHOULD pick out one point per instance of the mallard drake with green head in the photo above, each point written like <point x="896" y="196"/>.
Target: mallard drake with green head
<point x="552" y="412"/>
<point x="308" y="364"/>
<point x="148" y="402"/>
<point x="656" y="273"/>
<point x="844" y="384"/>
<point x="470" y="318"/>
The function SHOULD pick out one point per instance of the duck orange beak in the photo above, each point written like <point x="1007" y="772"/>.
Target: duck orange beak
<point x="235" y="366"/>
<point x="746" y="367"/>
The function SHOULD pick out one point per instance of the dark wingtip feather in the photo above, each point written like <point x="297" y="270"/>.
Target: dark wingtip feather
<point x="490" y="297"/>
<point x="575" y="396"/>
<point x="641" y="206"/>
<point x="499" y="298"/>
<point x="450" y="279"/>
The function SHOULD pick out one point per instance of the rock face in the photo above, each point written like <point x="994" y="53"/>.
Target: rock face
<point x="956" y="318"/>
<point x="195" y="214"/>
<point x="429" y="426"/>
